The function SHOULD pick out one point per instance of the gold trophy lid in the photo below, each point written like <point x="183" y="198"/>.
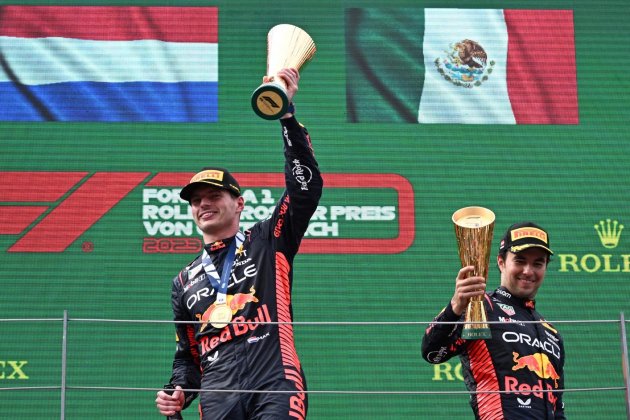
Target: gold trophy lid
<point x="473" y="217"/>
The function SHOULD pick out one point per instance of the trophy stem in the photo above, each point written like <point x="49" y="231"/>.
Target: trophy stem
<point x="476" y="313"/>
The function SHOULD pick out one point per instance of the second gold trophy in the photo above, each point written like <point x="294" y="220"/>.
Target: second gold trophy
<point x="473" y="229"/>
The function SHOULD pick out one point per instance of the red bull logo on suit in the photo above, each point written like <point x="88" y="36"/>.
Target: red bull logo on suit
<point x="541" y="366"/>
<point x="239" y="326"/>
<point x="538" y="363"/>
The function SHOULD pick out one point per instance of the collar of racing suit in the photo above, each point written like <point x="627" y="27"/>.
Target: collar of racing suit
<point x="217" y="246"/>
<point x="524" y="303"/>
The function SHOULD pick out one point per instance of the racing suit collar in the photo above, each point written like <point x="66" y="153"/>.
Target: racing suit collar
<point x="217" y="246"/>
<point x="525" y="303"/>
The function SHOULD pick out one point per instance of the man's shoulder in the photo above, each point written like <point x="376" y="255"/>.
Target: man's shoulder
<point x="258" y="231"/>
<point x="195" y="262"/>
<point x="190" y="270"/>
<point x="500" y="294"/>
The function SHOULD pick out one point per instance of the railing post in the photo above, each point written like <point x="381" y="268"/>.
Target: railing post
<point x="64" y="348"/>
<point x="624" y="362"/>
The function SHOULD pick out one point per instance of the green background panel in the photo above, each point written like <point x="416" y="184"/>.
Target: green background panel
<point x="566" y="177"/>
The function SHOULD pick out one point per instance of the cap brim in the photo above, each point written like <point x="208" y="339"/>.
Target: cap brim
<point x="519" y="248"/>
<point x="187" y="191"/>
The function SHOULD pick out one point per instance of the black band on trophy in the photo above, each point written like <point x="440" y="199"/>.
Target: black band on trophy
<point x="270" y="101"/>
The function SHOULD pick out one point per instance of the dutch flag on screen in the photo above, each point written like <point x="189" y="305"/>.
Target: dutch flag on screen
<point x="108" y="64"/>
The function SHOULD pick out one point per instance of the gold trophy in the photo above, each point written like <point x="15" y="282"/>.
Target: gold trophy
<point x="287" y="47"/>
<point x="473" y="229"/>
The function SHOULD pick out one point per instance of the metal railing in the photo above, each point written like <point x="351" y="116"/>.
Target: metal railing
<point x="65" y="320"/>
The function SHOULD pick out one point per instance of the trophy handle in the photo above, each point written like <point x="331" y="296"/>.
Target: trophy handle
<point x="270" y="100"/>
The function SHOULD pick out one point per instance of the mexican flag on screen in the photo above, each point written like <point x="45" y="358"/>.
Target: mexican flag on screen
<point x="461" y="66"/>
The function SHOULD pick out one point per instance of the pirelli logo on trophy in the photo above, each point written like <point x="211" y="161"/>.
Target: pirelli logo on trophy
<point x="287" y="47"/>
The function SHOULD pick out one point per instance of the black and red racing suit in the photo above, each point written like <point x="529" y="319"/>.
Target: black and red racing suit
<point x="252" y="355"/>
<point x="524" y="358"/>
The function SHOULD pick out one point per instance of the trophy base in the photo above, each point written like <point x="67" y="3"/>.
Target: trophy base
<point x="270" y="101"/>
<point x="476" y="333"/>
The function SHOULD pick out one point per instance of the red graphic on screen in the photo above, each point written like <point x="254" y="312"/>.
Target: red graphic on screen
<point x="51" y="210"/>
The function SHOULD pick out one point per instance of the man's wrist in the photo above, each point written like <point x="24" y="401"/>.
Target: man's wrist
<point x="290" y="111"/>
<point x="453" y="311"/>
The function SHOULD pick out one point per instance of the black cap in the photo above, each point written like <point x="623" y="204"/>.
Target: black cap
<point x="217" y="177"/>
<point x="524" y="235"/>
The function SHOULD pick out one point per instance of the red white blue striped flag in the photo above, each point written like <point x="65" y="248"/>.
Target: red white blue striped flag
<point x="94" y="63"/>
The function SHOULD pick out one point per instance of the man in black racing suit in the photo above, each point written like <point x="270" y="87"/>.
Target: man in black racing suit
<point x="524" y="360"/>
<point x="244" y="353"/>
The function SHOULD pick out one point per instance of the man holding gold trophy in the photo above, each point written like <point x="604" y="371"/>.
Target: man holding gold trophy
<point x="234" y="300"/>
<point x="512" y="360"/>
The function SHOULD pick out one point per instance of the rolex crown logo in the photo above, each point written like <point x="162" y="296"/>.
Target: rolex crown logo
<point x="609" y="232"/>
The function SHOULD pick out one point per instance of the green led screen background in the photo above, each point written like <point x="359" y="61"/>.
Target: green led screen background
<point x="382" y="248"/>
